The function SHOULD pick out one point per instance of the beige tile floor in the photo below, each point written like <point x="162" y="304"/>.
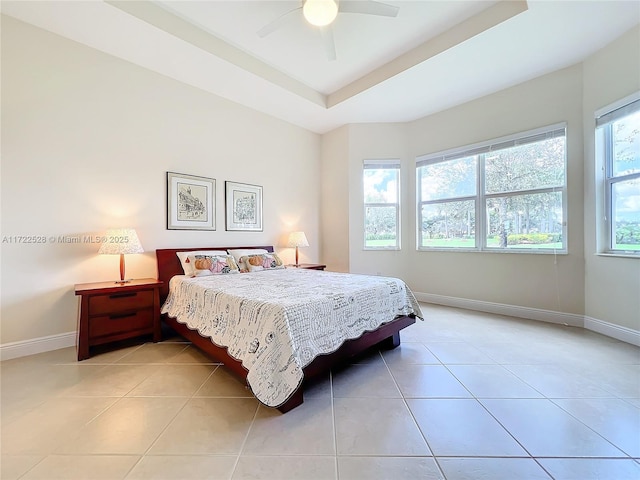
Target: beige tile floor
<point x="466" y="396"/>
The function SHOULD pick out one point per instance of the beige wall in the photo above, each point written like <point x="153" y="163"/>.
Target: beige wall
<point x="546" y="282"/>
<point x="580" y="283"/>
<point x="334" y="184"/>
<point x="612" y="285"/>
<point x="87" y="140"/>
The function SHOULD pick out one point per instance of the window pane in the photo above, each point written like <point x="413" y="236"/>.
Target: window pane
<point x="380" y="227"/>
<point x="625" y="198"/>
<point x="453" y="178"/>
<point x="525" y="221"/>
<point x="450" y="224"/>
<point x="381" y="185"/>
<point x="524" y="167"/>
<point x="626" y="145"/>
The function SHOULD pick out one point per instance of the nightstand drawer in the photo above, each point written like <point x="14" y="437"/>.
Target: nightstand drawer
<point x="120" y="302"/>
<point x="120" y="322"/>
<point x="113" y="311"/>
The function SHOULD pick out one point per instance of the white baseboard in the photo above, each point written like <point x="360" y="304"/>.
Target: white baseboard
<point x="569" y="319"/>
<point x="37" y="345"/>
<point x="618" y="332"/>
<point x="624" y="334"/>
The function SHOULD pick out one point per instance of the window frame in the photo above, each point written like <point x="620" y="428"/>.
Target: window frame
<point x="382" y="164"/>
<point x="604" y="119"/>
<point x="479" y="150"/>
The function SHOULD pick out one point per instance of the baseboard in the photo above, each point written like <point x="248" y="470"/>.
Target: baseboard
<point x="569" y="319"/>
<point x="618" y="332"/>
<point x="624" y="334"/>
<point x="37" y="345"/>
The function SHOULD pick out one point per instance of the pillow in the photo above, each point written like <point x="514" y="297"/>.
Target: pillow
<point x="261" y="261"/>
<point x="241" y="252"/>
<point x="205" y="265"/>
<point x="186" y="263"/>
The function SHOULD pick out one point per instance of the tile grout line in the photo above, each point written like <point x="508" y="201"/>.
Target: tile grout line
<point x="246" y="437"/>
<point x="335" y="433"/>
<point x="144" y="454"/>
<point x="551" y="400"/>
<point x="404" y="400"/>
<point x="616" y="392"/>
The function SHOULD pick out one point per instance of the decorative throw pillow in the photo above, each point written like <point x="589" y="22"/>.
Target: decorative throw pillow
<point x="205" y="265"/>
<point x="262" y="261"/>
<point x="187" y="266"/>
<point x="238" y="253"/>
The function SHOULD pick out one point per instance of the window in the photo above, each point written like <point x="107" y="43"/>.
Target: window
<point x="381" y="181"/>
<point x="503" y="195"/>
<point x="618" y="134"/>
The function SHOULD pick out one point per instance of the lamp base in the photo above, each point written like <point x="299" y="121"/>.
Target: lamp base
<point x="122" y="280"/>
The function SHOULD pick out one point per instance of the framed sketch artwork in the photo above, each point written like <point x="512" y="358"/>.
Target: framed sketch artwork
<point x="244" y="206"/>
<point x="191" y="202"/>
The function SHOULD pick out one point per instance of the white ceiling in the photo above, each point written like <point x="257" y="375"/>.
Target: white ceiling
<point x="432" y="56"/>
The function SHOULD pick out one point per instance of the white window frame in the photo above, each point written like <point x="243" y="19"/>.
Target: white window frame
<point x="480" y="197"/>
<point x="605" y="178"/>
<point x="384" y="164"/>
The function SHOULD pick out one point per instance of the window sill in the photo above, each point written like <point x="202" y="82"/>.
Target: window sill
<point x="619" y="255"/>
<point x="507" y="252"/>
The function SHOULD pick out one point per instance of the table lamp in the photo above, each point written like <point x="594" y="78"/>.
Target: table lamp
<point x="297" y="239"/>
<point x="121" y="241"/>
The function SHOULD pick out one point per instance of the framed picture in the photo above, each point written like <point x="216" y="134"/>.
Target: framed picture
<point x="191" y="202"/>
<point x="244" y="206"/>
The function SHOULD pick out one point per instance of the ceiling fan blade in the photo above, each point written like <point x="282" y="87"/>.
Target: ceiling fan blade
<point x="369" y="7"/>
<point x="277" y="23"/>
<point x="328" y="43"/>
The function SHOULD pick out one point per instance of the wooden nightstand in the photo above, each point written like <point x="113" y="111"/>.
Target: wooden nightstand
<point x="309" y="266"/>
<point x="110" y="311"/>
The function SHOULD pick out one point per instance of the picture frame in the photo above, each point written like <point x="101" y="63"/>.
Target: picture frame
<point x="191" y="202"/>
<point x="243" y="207"/>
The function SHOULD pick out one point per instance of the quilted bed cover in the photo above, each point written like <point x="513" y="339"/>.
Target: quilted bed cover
<point x="277" y="321"/>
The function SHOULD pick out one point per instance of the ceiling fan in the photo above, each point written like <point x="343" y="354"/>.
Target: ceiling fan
<point x="322" y="13"/>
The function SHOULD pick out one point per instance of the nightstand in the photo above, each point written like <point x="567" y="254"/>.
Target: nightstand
<point x="111" y="311"/>
<point x="309" y="266"/>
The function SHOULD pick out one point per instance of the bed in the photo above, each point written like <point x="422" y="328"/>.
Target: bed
<point x="278" y="329"/>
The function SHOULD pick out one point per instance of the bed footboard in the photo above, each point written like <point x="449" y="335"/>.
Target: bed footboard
<point x="386" y="336"/>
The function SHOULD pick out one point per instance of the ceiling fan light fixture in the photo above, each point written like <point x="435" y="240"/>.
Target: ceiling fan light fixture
<point x="320" y="12"/>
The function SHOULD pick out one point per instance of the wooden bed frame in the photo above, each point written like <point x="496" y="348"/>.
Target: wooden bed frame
<point x="386" y="337"/>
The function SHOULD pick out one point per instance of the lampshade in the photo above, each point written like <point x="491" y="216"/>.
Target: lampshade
<point x="320" y="12"/>
<point x="118" y="241"/>
<point x="297" y="239"/>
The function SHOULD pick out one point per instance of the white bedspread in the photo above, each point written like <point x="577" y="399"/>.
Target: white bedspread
<point x="277" y="321"/>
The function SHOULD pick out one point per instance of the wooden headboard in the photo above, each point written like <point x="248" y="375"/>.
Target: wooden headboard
<point x="169" y="263"/>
